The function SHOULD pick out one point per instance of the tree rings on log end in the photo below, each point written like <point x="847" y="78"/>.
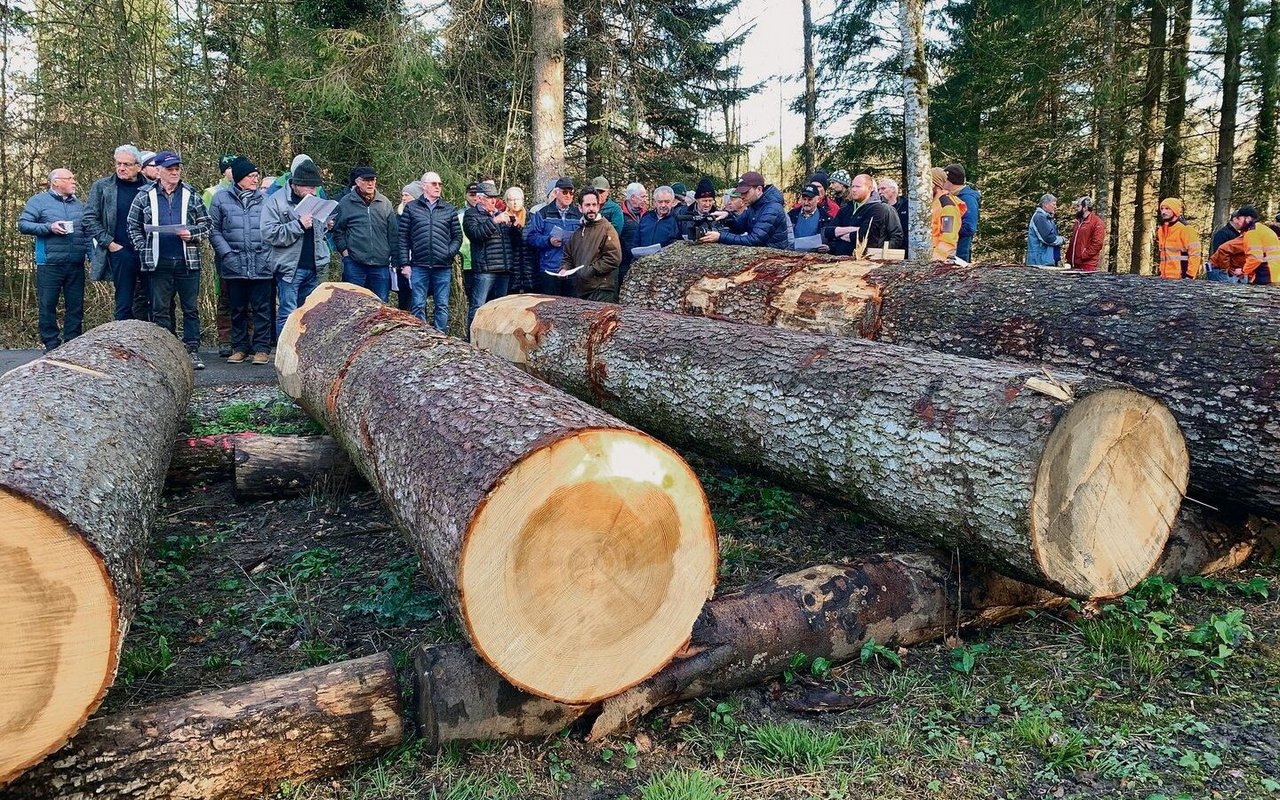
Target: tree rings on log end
<point x="286" y="346"/>
<point x="584" y="569"/>
<point x="506" y="327"/>
<point x="58" y="633"/>
<point x="1107" y="491"/>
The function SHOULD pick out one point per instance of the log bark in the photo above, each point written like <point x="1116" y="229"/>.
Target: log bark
<point x="900" y="599"/>
<point x="1075" y="492"/>
<point x="281" y="466"/>
<point x="1179" y="341"/>
<point x="85" y="439"/>
<point x="574" y="551"/>
<point x="236" y="743"/>
<point x="204" y="458"/>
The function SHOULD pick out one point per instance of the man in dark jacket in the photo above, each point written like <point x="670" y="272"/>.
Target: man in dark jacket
<point x="594" y="252"/>
<point x="660" y="225"/>
<point x="106" y="218"/>
<point x="700" y="216"/>
<point x="811" y="217"/>
<point x="635" y="202"/>
<point x="1235" y="227"/>
<point x="762" y="224"/>
<point x="430" y="236"/>
<point x="889" y="194"/>
<point x="547" y="231"/>
<point x="366" y="232"/>
<point x="299" y="253"/>
<point x="54" y="218"/>
<point x="971" y="198"/>
<point x="864" y="218"/>
<point x="244" y="261"/>
<point x="492" y="259"/>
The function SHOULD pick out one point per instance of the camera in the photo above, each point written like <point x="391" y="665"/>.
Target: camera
<point x="701" y="225"/>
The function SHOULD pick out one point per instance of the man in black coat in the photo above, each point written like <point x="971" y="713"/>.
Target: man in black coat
<point x="430" y="236"/>
<point x="864" y="218"/>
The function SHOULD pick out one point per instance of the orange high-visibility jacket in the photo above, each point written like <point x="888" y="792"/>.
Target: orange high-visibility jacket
<point x="1264" y="248"/>
<point x="947" y="214"/>
<point x="1179" y="248"/>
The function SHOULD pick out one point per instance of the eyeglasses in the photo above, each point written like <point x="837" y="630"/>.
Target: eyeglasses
<point x="433" y="183"/>
<point x="126" y="163"/>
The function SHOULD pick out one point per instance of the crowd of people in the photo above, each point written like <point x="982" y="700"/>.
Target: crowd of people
<point x="274" y="238"/>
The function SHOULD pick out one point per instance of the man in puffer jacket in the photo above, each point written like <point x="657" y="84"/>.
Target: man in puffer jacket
<point x="244" y="261"/>
<point x="561" y="213"/>
<point x="491" y="255"/>
<point x="430" y="236"/>
<point x="762" y="224"/>
<point x="54" y="217"/>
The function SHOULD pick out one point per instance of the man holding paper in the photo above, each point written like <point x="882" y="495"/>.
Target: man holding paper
<point x="167" y="221"/>
<point x="53" y="218"/>
<point x="593" y="252"/>
<point x="547" y="231"/>
<point x="299" y="255"/>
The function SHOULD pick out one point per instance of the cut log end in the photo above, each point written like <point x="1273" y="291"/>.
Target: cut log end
<point x="505" y="327"/>
<point x="286" y="346"/>
<point x="1107" y="491"/>
<point x="58" y="633"/>
<point x="599" y="550"/>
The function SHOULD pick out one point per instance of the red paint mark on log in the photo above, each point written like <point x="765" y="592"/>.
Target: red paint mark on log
<point x="1011" y="392"/>
<point x="924" y="409"/>
<point x="814" y="355"/>
<point x="603" y="324"/>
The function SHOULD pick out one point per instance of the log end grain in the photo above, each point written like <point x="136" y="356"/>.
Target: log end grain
<point x="587" y="564"/>
<point x="507" y="328"/>
<point x="1107" y="491"/>
<point x="58" y="632"/>
<point x="286" y="347"/>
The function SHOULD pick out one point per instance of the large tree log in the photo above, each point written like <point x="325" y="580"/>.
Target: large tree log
<point x="1075" y="494"/>
<point x="575" y="551"/>
<point x="460" y="699"/>
<point x="236" y="743"/>
<point x="1211" y="352"/>
<point x="280" y="466"/>
<point x="85" y="439"/>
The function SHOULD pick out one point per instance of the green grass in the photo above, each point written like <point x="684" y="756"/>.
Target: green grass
<point x="683" y="784"/>
<point x="279" y="416"/>
<point x="795" y="746"/>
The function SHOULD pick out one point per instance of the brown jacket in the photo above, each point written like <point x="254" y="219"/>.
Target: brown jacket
<point x="1086" y="243"/>
<point x="596" y="245"/>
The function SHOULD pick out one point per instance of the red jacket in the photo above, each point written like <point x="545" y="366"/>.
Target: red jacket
<point x="1086" y="243"/>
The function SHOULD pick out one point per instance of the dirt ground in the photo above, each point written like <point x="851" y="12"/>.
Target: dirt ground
<point x="1138" y="701"/>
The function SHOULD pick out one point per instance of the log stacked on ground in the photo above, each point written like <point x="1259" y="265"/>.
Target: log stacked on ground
<point x="280" y="466"/>
<point x="1210" y="351"/>
<point x="85" y="439"/>
<point x="204" y="458"/>
<point x="235" y="743"/>
<point x="575" y="551"/>
<point x="1076" y="494"/>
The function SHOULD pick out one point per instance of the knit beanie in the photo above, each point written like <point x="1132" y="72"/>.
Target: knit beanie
<point x="705" y="188"/>
<point x="939" y="176"/>
<point x="306" y="174"/>
<point x="240" y="168"/>
<point x="414" y="190"/>
<point x="841" y="177"/>
<point x="1173" y="204"/>
<point x="679" y="189"/>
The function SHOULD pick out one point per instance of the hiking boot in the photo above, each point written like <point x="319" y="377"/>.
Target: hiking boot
<point x="236" y="357"/>
<point x="261" y="358"/>
<point x="196" y="363"/>
<point x="224" y="350"/>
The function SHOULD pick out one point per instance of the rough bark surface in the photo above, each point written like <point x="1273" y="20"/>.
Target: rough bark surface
<point x="204" y="458"/>
<point x="1180" y="341"/>
<point x="237" y="743"/>
<point x="80" y="478"/>
<point x="947" y="448"/>
<point x="281" y="466"/>
<point x="465" y="433"/>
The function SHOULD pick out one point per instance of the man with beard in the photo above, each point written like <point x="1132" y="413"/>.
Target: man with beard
<point x="1177" y="243"/>
<point x="594" y="247"/>
<point x="763" y="223"/>
<point x="864" y="218"/>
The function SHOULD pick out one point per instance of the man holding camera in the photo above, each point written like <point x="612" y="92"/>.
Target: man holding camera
<point x="53" y="218"/>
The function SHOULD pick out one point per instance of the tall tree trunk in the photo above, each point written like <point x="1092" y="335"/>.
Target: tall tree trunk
<point x="1104" y="115"/>
<point x="1141" y="247"/>
<point x="595" y="129"/>
<point x="547" y="41"/>
<point x="1176" y="100"/>
<point x="1117" y="197"/>
<point x="1234" y="25"/>
<point x="1264" y="150"/>
<point x="918" y="187"/>
<point x="810" y="89"/>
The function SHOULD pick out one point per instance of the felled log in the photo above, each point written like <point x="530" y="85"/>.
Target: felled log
<point x="281" y="466"/>
<point x="1069" y="484"/>
<point x="574" y="551"/>
<point x="85" y="438"/>
<point x="240" y="742"/>
<point x="1211" y="352"/>
<point x="204" y="458"/>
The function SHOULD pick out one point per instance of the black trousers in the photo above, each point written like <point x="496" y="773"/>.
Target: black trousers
<point x="250" y="300"/>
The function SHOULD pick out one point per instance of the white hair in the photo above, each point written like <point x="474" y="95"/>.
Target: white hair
<point x="667" y="190"/>
<point x="514" y="191"/>
<point x="890" y="182"/>
<point x="1046" y="199"/>
<point x="430" y="177"/>
<point x="129" y="149"/>
<point x="634" y="189"/>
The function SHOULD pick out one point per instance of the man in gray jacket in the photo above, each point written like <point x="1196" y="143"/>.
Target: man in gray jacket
<point x="299" y="253"/>
<point x="366" y="232"/>
<point x="54" y="218"/>
<point x="106" y="225"/>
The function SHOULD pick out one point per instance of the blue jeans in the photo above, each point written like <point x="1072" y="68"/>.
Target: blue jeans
<point x="52" y="281"/>
<point x="292" y="293"/>
<point x="485" y="286"/>
<point x="375" y="279"/>
<point x="433" y="281"/>
<point x="170" y="278"/>
<point x="125" y="274"/>
<point x="1222" y="276"/>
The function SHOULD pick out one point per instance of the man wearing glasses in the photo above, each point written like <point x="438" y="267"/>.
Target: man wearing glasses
<point x="430" y="236"/>
<point x="547" y="232"/>
<point x="106" y="218"/>
<point x="53" y="218"/>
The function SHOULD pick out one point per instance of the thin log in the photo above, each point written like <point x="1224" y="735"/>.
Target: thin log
<point x="268" y="467"/>
<point x="85" y="439"/>
<point x="574" y="551"/>
<point x="1179" y="341"/>
<point x="204" y="458"/>
<point x="1071" y="484"/>
<point x="240" y="742"/>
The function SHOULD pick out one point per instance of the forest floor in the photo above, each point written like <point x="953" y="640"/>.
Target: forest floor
<point x="1172" y="692"/>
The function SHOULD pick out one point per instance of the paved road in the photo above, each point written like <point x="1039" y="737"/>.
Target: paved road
<point x="217" y="372"/>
